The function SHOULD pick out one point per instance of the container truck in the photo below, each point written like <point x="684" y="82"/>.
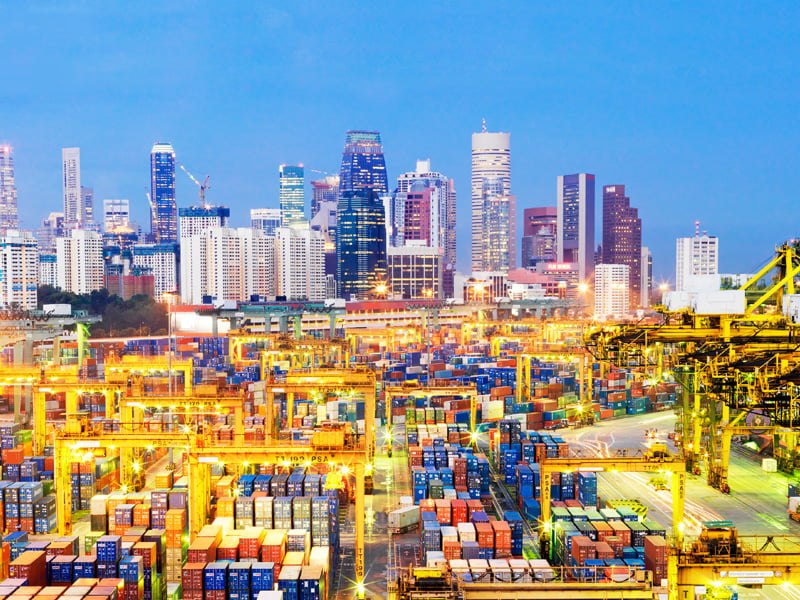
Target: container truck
<point x="404" y="519"/>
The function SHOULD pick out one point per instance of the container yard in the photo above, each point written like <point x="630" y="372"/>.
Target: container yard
<point x="526" y="456"/>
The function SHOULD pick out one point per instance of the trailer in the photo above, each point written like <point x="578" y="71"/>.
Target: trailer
<point x="404" y="519"/>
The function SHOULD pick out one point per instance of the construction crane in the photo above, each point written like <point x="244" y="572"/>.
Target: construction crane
<point x="203" y="186"/>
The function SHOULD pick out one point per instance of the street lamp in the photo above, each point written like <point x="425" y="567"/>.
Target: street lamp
<point x="170" y="298"/>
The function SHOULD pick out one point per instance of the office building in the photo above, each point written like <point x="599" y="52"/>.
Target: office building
<point x="71" y="184"/>
<point x="647" y="277"/>
<point x="415" y="272"/>
<point x="491" y="159"/>
<point x="195" y="219"/>
<point x="228" y="264"/>
<point x="697" y="258"/>
<point x="127" y="281"/>
<point x="622" y="237"/>
<point x="162" y="261"/>
<point x="611" y="291"/>
<point x="163" y="210"/>
<point x="575" y="222"/>
<point x="8" y="191"/>
<point x="87" y="206"/>
<point x="116" y="213"/>
<point x="538" y="235"/>
<point x="51" y="228"/>
<point x="265" y="219"/>
<point x="47" y="269"/>
<point x="292" y="196"/>
<point x="499" y="214"/>
<point x="324" y="190"/>
<point x="19" y="270"/>
<point x="360" y="243"/>
<point x="80" y="266"/>
<point x="363" y="165"/>
<point x="325" y="222"/>
<point x="300" y="264"/>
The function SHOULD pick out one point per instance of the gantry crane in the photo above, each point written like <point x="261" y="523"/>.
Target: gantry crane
<point x="120" y="372"/>
<point x="414" y="390"/>
<point x="281" y="346"/>
<point x="648" y="460"/>
<point x="524" y="366"/>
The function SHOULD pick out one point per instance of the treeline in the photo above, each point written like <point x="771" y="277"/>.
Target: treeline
<point x="141" y="315"/>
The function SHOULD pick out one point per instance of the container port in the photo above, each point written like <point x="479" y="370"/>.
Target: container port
<point x="524" y="453"/>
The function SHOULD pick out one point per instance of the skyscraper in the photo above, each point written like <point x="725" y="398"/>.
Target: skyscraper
<point x="161" y="260"/>
<point x="51" y="228"/>
<point x="115" y="213"/>
<point x="8" y="190"/>
<point x="292" y="197"/>
<point x="647" y="276"/>
<point x="80" y="261"/>
<point x="19" y="269"/>
<point x="192" y="222"/>
<point x="300" y="261"/>
<point x="575" y="223"/>
<point x="363" y="165"/>
<point x="163" y="209"/>
<point x="71" y="184"/>
<point x="539" y="235"/>
<point x="491" y="158"/>
<point x="499" y="214"/>
<point x="360" y="243"/>
<point x="265" y="219"/>
<point x="695" y="258"/>
<point x="622" y="237"/>
<point x="87" y="204"/>
<point x="324" y="190"/>
<point x="611" y="291"/>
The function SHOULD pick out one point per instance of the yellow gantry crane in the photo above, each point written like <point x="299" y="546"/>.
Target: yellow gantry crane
<point x="525" y="364"/>
<point x="429" y="391"/>
<point x="311" y="350"/>
<point x="648" y="460"/>
<point x="120" y="372"/>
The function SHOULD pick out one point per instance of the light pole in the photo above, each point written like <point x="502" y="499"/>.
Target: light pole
<point x="582" y="288"/>
<point x="428" y="294"/>
<point x="170" y="296"/>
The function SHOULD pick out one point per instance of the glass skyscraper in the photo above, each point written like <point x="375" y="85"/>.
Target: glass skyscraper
<point x="292" y="198"/>
<point x="8" y="190"/>
<point x="163" y="210"/>
<point x="575" y="222"/>
<point x="360" y="243"/>
<point x="363" y="166"/>
<point x="499" y="226"/>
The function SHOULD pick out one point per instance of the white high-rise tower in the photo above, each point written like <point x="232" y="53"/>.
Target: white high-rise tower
<point x="8" y="190"/>
<point x="491" y="158"/>
<point x="71" y="184"/>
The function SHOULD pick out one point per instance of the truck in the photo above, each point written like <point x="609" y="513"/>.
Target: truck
<point x="403" y="520"/>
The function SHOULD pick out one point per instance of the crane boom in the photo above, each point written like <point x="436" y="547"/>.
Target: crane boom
<point x="203" y="186"/>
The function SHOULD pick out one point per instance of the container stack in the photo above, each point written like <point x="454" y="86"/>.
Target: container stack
<point x="655" y="557"/>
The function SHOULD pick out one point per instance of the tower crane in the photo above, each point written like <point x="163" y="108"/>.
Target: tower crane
<point x="203" y="186"/>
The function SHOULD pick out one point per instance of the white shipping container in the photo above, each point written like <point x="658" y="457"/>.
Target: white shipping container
<point x="270" y="595"/>
<point x="466" y="531"/>
<point x="57" y="310"/>
<point x="769" y="465"/>
<point x="794" y="503"/>
<point x="723" y="302"/>
<point x="404" y="518"/>
<point x="435" y="560"/>
<point x="541" y="569"/>
<point x="406" y="501"/>
<point x="99" y="504"/>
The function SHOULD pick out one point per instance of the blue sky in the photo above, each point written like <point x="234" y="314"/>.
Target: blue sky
<point x="693" y="106"/>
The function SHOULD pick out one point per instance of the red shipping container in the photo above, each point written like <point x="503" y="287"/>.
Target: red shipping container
<point x="452" y="550"/>
<point x="193" y="577"/>
<point x="502" y="535"/>
<point x="474" y="506"/>
<point x="32" y="566"/>
<point x="603" y="551"/>
<point x="615" y="542"/>
<point x="443" y="513"/>
<point x="582" y="549"/>
<point x="459" y="510"/>
<point x="148" y="551"/>
<point x="427" y="505"/>
<point x="603" y="530"/>
<point x="621" y="530"/>
<point x="485" y="535"/>
<point x="273" y="553"/>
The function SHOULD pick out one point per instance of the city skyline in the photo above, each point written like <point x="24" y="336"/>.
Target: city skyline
<point x="656" y="139"/>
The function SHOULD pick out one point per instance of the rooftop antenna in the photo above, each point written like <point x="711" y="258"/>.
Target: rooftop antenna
<point x="483" y="125"/>
<point x="697" y="229"/>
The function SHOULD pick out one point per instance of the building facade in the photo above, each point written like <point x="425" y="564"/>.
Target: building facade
<point x="292" y="196"/>
<point x="47" y="269"/>
<point x="162" y="261"/>
<point x="696" y="256"/>
<point x="19" y="269"/>
<point x="71" y="184"/>
<point x="300" y="263"/>
<point x="647" y="277"/>
<point x="622" y="237"/>
<point x="80" y="266"/>
<point x="415" y="272"/>
<point x="87" y="205"/>
<point x="363" y="164"/>
<point x="51" y="228"/>
<point x="9" y="218"/>
<point x="538" y="235"/>
<point x="324" y="190"/>
<point x="499" y="214"/>
<point x="491" y="159"/>
<point x="193" y="221"/>
<point x="575" y="222"/>
<point x="360" y="243"/>
<point x="116" y="213"/>
<point x="265" y="219"/>
<point x="163" y="209"/>
<point x="611" y="291"/>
